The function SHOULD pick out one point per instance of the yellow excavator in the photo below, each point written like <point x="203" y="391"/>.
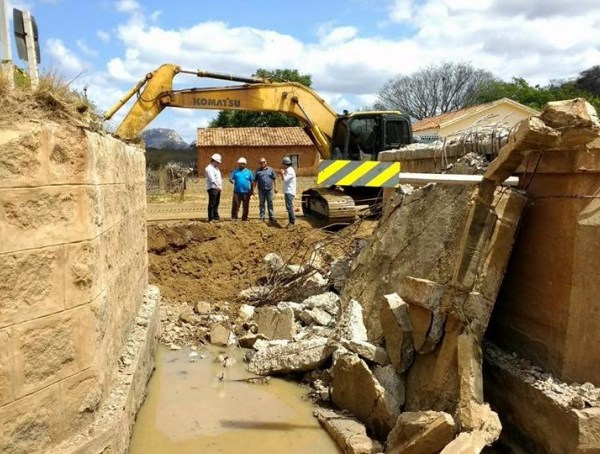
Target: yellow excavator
<point x="340" y="139"/>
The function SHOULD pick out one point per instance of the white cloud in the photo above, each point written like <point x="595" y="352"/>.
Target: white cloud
<point x="103" y="35"/>
<point x="127" y="6"/>
<point x="87" y="50"/>
<point x="63" y="59"/>
<point x="155" y="16"/>
<point x="540" y="41"/>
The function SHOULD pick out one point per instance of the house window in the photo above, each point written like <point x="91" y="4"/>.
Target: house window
<point x="295" y="158"/>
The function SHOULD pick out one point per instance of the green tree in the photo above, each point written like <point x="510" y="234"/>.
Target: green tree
<point x="239" y="118"/>
<point x="534" y="96"/>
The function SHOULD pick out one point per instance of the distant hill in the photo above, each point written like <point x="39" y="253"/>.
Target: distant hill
<point x="164" y="139"/>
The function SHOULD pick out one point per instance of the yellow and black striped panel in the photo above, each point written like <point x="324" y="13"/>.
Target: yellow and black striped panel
<point x="359" y="173"/>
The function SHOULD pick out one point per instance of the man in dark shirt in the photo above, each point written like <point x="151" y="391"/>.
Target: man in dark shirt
<point x="265" y="181"/>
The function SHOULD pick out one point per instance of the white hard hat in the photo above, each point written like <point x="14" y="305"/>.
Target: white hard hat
<point x="216" y="157"/>
<point x="242" y="161"/>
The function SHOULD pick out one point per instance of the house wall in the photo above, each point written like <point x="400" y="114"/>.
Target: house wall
<point x="502" y="113"/>
<point x="308" y="157"/>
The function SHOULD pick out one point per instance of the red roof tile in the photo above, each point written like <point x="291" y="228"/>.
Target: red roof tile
<point x="252" y="137"/>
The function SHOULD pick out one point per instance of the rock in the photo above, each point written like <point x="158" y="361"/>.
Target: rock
<point x="339" y="272"/>
<point x="262" y="344"/>
<point x="328" y="301"/>
<point x="246" y="312"/>
<point x="469" y="360"/>
<point x="351" y="325"/>
<point x="255" y="293"/>
<point x="313" y="331"/>
<point x="219" y="335"/>
<point x="248" y="340"/>
<point x="274" y="262"/>
<point x="314" y="284"/>
<point x="296" y="307"/>
<point x="422" y="432"/>
<point x="354" y="388"/>
<point x="188" y="316"/>
<point x="397" y="331"/>
<point x="229" y="361"/>
<point x="292" y="270"/>
<point x="202" y="308"/>
<point x="275" y="324"/>
<point x="348" y="433"/>
<point x="366" y="350"/>
<point x="298" y="356"/>
<point x="174" y="347"/>
<point x="317" y="316"/>
<point x="420" y="321"/>
<point x="391" y="381"/>
<point x="466" y="443"/>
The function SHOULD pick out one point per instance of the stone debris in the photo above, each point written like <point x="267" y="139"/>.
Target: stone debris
<point x="219" y="335"/>
<point x="366" y="350"/>
<point x="355" y="389"/>
<point x="328" y="301"/>
<point x="296" y="307"/>
<point x="202" y="308"/>
<point x="246" y="312"/>
<point x="274" y="323"/>
<point x="318" y="317"/>
<point x="297" y="356"/>
<point x="350" y="435"/>
<point x="255" y="293"/>
<point x="397" y="331"/>
<point x="340" y="269"/>
<point x="391" y="381"/>
<point x="560" y="392"/>
<point x="351" y="326"/>
<point x="249" y="340"/>
<point x="422" y="432"/>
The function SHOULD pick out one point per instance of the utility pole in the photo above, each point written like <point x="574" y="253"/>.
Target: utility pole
<point x="6" y="65"/>
<point x="31" y="54"/>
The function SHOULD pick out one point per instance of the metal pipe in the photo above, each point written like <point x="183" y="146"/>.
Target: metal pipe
<point x="448" y="178"/>
<point x="126" y="97"/>
<point x="223" y="76"/>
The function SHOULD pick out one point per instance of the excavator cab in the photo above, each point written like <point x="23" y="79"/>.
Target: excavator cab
<point x="361" y="136"/>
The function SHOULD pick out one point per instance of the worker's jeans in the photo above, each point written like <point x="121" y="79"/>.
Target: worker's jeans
<point x="289" y="206"/>
<point x="214" y="198"/>
<point x="267" y="196"/>
<point x="240" y="199"/>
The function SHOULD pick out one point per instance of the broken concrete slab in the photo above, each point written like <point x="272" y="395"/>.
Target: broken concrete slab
<point x="466" y="443"/>
<point x="303" y="355"/>
<point x="349" y="434"/>
<point x="317" y="316"/>
<point x="397" y="331"/>
<point x="274" y="262"/>
<point x="391" y="381"/>
<point x="423" y="432"/>
<point x="262" y="344"/>
<point x="351" y="326"/>
<point x="219" y="335"/>
<point x="420" y="321"/>
<point x="422" y="292"/>
<point x="248" y="340"/>
<point x="432" y="381"/>
<point x="338" y="273"/>
<point x="367" y="350"/>
<point x="274" y="323"/>
<point x="354" y="388"/>
<point x="470" y="381"/>
<point x="246" y="312"/>
<point x="296" y="307"/>
<point x="328" y="301"/>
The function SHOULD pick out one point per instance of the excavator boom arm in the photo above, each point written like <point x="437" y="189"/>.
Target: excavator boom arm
<point x="258" y="95"/>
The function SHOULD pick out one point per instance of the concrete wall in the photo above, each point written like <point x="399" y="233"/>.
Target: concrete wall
<point x="308" y="157"/>
<point x="549" y="309"/>
<point x="73" y="270"/>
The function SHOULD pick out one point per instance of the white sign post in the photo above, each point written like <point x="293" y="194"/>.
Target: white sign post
<point x="6" y="58"/>
<point x="31" y="54"/>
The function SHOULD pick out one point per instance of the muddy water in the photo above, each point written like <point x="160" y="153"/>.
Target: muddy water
<point x="190" y="409"/>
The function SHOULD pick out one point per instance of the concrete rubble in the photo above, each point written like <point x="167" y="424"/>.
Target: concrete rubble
<point x="393" y="334"/>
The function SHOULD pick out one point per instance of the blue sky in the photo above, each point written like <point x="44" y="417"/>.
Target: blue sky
<point x="349" y="47"/>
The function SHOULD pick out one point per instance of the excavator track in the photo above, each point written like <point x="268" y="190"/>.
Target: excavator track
<point x="331" y="204"/>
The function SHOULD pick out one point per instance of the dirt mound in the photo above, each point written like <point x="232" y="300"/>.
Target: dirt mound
<point x="214" y="262"/>
<point x="54" y="100"/>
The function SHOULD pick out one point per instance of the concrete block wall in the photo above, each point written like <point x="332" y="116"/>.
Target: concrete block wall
<point x="73" y="270"/>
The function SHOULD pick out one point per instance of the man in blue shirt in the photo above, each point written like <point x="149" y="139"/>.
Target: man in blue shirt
<point x="266" y="183"/>
<point x="242" y="179"/>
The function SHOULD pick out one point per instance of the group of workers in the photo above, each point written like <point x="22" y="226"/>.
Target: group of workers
<point x="246" y="183"/>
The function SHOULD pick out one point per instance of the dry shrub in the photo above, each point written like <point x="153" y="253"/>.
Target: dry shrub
<point x="54" y="100"/>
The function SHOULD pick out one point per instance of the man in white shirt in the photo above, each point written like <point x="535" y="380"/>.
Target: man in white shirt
<point x="214" y="185"/>
<point x="289" y="188"/>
